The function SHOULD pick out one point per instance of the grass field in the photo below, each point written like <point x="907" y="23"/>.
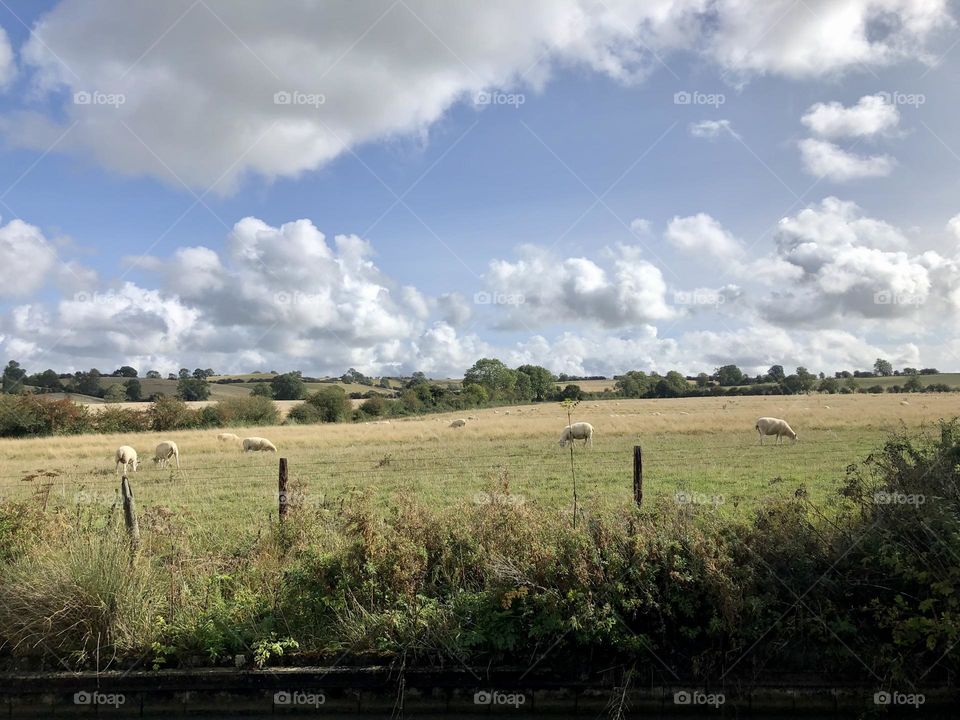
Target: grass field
<point x="706" y="448"/>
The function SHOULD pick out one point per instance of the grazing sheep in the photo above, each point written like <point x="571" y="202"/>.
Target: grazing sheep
<point x="458" y="423"/>
<point x="774" y="426"/>
<point x="127" y="457"/>
<point x="166" y="450"/>
<point x="904" y="402"/>
<point x="228" y="437"/>
<point x="577" y="431"/>
<point x="258" y="444"/>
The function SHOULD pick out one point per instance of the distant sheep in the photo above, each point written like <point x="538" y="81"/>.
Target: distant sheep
<point x="774" y="426"/>
<point x="904" y="402"/>
<point x="577" y="431"/>
<point x="228" y="437"/>
<point x="255" y="444"/>
<point x="166" y="450"/>
<point x="458" y="423"/>
<point x="127" y="458"/>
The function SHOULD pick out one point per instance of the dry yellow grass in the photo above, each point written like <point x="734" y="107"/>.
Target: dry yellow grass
<point x="703" y="446"/>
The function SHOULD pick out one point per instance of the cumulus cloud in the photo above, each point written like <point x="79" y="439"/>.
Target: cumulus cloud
<point x="199" y="82"/>
<point x="26" y="259"/>
<point x="712" y="129"/>
<point x="824" y="159"/>
<point x="7" y="66"/>
<point x="872" y="115"/>
<point x="541" y="289"/>
<point x="702" y="234"/>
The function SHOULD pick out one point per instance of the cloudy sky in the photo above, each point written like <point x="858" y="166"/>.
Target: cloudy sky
<point x="595" y="186"/>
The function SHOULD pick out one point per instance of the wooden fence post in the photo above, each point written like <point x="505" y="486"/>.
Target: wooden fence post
<point x="130" y="514"/>
<point x="637" y="475"/>
<point x="282" y="494"/>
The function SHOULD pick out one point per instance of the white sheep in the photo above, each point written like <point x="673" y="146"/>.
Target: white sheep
<point x="127" y="457"/>
<point x="774" y="426"/>
<point x="577" y="431"/>
<point x="166" y="450"/>
<point x="228" y="437"/>
<point x="258" y="443"/>
<point x="458" y="423"/>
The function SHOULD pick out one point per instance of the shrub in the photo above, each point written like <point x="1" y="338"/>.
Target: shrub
<point x="252" y="410"/>
<point x="332" y="403"/>
<point x="168" y="413"/>
<point x="26" y="415"/>
<point x="116" y="420"/>
<point x="304" y="414"/>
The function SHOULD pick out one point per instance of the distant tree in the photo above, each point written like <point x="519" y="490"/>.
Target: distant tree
<point x="88" y="383"/>
<point x="262" y="390"/>
<point x="909" y="371"/>
<point x="875" y="389"/>
<point x="542" y="381"/>
<point x="332" y="404"/>
<point x="289" y="386"/>
<point x="385" y="383"/>
<point x="882" y="367"/>
<point x="929" y="371"/>
<point x="776" y="373"/>
<point x="850" y="384"/>
<point x="184" y="373"/>
<point x="792" y="384"/>
<point x="571" y="392"/>
<point x="353" y="376"/>
<point x="495" y="377"/>
<point x="153" y="374"/>
<point x="913" y="384"/>
<point x="48" y="380"/>
<point x="13" y="376"/>
<point x="808" y="381"/>
<point x="633" y="384"/>
<point x="115" y="393"/>
<point x="133" y="391"/>
<point x="703" y="380"/>
<point x="729" y="375"/>
<point x="189" y="388"/>
<point x="209" y="372"/>
<point x="127" y="371"/>
<point x="474" y="395"/>
<point x="829" y="385"/>
<point x="418" y="378"/>
<point x="374" y="405"/>
<point x="171" y="376"/>
<point x="843" y="374"/>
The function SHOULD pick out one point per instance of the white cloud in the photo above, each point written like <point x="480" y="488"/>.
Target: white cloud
<point x="872" y="115"/>
<point x="198" y="81"/>
<point x="954" y="226"/>
<point x="712" y="129"/>
<point x="702" y="234"/>
<point x="824" y="159"/>
<point x="26" y="258"/>
<point x="7" y="66"/>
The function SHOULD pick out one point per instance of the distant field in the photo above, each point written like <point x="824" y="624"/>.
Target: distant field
<point x="704" y="447"/>
<point x="951" y="379"/>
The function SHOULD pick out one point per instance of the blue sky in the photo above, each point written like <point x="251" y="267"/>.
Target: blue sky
<point x="796" y="211"/>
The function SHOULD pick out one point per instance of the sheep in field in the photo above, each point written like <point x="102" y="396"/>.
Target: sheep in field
<point x="166" y="450"/>
<point x="127" y="457"/>
<point x="258" y="443"/>
<point x="774" y="426"/>
<point x="458" y="423"/>
<point x="228" y="437"/>
<point x="577" y="431"/>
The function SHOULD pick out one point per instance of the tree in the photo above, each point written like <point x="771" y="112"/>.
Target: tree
<point x="13" y="376"/>
<point x="153" y="374"/>
<point x="374" y="405"/>
<point x="571" y="392"/>
<point x="385" y="383"/>
<point x="882" y="367"/>
<point x="193" y="389"/>
<point x="48" y="380"/>
<point x="133" y="390"/>
<point x="289" y="386"/>
<point x="88" y="383"/>
<point x="171" y="376"/>
<point x="209" y="372"/>
<point x="542" y="381"/>
<point x="127" y="371"/>
<point x="184" y="373"/>
<point x="703" y="380"/>
<point x="332" y="404"/>
<point x="729" y="375"/>
<point x="829" y="385"/>
<point x="523" y="389"/>
<point x="262" y="389"/>
<point x="808" y="381"/>
<point x="673" y="384"/>
<point x="776" y="373"/>
<point x="115" y="393"/>
<point x="909" y="371"/>
<point x="418" y="378"/>
<point x="495" y="377"/>
<point x="474" y="395"/>
<point x="913" y="384"/>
